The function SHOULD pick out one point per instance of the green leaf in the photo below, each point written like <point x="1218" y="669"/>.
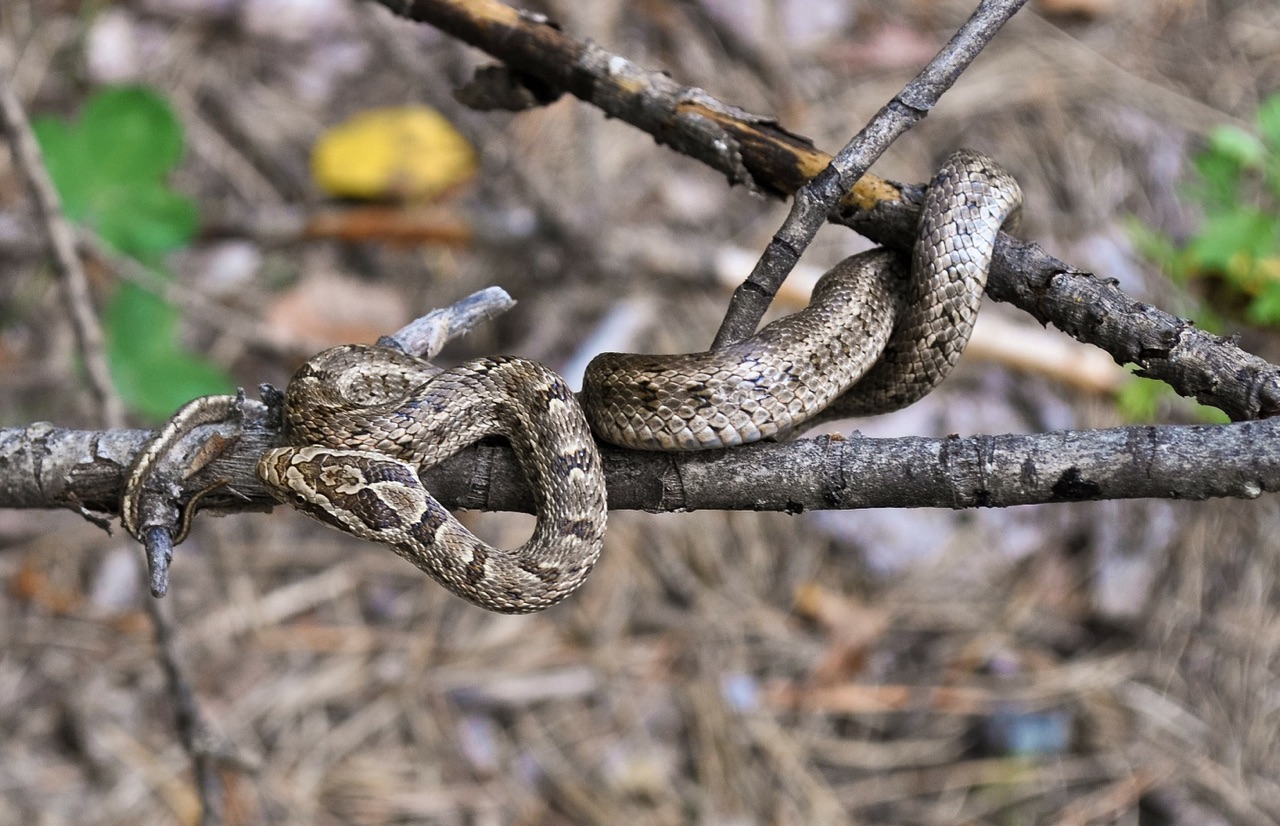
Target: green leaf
<point x="144" y="220"/>
<point x="1139" y="399"/>
<point x="1219" y="180"/>
<point x="135" y="132"/>
<point x="1265" y="306"/>
<point x="69" y="162"/>
<point x="109" y="168"/>
<point x="1232" y="239"/>
<point x="1271" y="176"/>
<point x="156" y="388"/>
<point x="1269" y="121"/>
<point x="1237" y="185"/>
<point x="1243" y="148"/>
<point x="1211" y="415"/>
<point x="152" y="374"/>
<point x="137" y="324"/>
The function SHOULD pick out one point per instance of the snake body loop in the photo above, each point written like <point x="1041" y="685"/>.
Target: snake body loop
<point x="877" y="335"/>
<point x="364" y="420"/>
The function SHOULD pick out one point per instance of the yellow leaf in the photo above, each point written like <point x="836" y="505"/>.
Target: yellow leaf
<point x="407" y="152"/>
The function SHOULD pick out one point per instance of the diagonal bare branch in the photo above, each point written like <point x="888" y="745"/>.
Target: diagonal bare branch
<point x="815" y="200"/>
<point x="757" y="152"/>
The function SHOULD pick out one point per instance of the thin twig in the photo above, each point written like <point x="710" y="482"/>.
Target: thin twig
<point x="816" y="200"/>
<point x="62" y="244"/>
<point x="192" y="729"/>
<point x="426" y="336"/>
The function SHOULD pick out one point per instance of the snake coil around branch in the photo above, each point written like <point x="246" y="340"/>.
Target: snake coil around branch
<point x="361" y="421"/>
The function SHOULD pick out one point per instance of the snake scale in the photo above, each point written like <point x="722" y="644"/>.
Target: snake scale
<point x="877" y="335"/>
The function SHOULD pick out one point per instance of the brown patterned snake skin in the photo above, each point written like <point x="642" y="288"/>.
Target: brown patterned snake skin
<point x="366" y="418"/>
<point x="875" y="337"/>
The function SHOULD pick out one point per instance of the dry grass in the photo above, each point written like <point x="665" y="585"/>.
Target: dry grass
<point x="717" y="668"/>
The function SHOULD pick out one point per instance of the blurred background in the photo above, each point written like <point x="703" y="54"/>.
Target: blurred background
<point x="265" y="178"/>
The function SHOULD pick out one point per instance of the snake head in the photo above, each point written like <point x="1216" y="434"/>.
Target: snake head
<point x="349" y="378"/>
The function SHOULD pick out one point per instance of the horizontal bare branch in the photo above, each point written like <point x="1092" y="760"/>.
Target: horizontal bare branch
<point x="46" y="467"/>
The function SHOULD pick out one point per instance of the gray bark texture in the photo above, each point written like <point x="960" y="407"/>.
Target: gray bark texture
<point x="42" y="466"/>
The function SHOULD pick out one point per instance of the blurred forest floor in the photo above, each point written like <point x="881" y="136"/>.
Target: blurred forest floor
<point x="1116" y="662"/>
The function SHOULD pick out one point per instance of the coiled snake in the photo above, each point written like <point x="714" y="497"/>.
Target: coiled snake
<point x="876" y="336"/>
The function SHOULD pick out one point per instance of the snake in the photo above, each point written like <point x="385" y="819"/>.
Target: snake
<point x="879" y="332"/>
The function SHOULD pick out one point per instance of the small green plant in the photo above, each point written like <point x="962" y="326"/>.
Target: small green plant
<point x="111" y="167"/>
<point x="1141" y="399"/>
<point x="1236" y="252"/>
<point x="1231" y="265"/>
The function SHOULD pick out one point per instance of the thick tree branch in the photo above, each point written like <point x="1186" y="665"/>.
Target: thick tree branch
<point x="46" y="467"/>
<point x="757" y="152"/>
